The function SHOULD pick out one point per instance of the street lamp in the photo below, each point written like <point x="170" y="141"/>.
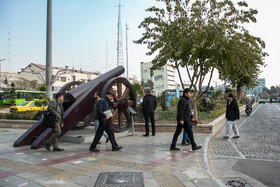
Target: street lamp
<point x="0" y="73"/>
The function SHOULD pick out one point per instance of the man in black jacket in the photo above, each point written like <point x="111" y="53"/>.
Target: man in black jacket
<point x="105" y="105"/>
<point x="183" y="118"/>
<point x="232" y="114"/>
<point x="149" y="106"/>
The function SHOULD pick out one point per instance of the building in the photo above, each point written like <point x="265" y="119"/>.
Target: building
<point x="7" y="78"/>
<point x="258" y="88"/>
<point x="163" y="79"/>
<point x="61" y="76"/>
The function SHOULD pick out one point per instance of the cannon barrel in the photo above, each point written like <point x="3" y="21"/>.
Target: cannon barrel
<point x="79" y="104"/>
<point x="72" y="95"/>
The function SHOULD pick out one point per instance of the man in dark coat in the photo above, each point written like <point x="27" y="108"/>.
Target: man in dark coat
<point x="55" y="108"/>
<point x="183" y="118"/>
<point x="149" y="106"/>
<point x="232" y="114"/>
<point x="104" y="105"/>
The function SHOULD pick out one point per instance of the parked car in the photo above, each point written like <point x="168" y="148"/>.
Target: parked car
<point x="27" y="106"/>
<point x="261" y="101"/>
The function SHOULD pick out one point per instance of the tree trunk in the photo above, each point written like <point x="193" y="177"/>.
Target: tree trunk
<point x="194" y="104"/>
<point x="238" y="90"/>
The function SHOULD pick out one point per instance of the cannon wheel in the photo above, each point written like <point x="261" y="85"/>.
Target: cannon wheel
<point x="124" y="96"/>
<point x="88" y="119"/>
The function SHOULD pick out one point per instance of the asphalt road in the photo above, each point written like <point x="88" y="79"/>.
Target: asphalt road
<point x="254" y="158"/>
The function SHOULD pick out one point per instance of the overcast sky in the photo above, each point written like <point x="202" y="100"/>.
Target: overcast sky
<point x="83" y="28"/>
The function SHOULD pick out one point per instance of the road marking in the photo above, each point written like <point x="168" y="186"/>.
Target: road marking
<point x="277" y="107"/>
<point x="248" y="118"/>
<point x="233" y="145"/>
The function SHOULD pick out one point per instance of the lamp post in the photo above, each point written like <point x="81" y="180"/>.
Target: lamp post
<point x="0" y="73"/>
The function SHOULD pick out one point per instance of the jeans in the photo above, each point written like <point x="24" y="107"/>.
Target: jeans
<point x="185" y="136"/>
<point x="229" y="125"/>
<point x="96" y="125"/>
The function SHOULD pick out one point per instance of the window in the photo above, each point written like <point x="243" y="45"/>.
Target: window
<point x="63" y="79"/>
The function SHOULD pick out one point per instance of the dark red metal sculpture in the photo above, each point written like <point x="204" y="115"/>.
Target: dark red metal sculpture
<point x="78" y="104"/>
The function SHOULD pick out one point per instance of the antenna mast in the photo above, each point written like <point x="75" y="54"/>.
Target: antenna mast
<point x="9" y="48"/>
<point x="120" y="61"/>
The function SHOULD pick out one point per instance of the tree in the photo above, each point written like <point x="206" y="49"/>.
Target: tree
<point x="43" y="101"/>
<point x="265" y="95"/>
<point x="245" y="59"/>
<point x="13" y="93"/>
<point x="43" y="87"/>
<point x="173" y="101"/>
<point x="24" y="84"/>
<point x="194" y="36"/>
<point x="161" y="101"/>
<point x="138" y="89"/>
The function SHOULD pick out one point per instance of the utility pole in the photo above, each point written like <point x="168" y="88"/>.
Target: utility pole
<point x="106" y="57"/>
<point x="49" y="51"/>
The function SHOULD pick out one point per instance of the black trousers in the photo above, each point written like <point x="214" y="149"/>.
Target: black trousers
<point x="148" y="116"/>
<point x="104" y="126"/>
<point x="178" y="131"/>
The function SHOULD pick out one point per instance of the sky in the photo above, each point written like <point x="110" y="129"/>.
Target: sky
<point x="84" y="34"/>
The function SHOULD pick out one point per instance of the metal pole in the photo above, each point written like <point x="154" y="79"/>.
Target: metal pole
<point x="132" y="124"/>
<point x="49" y="51"/>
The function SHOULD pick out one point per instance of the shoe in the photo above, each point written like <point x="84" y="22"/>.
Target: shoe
<point x="174" y="149"/>
<point x="235" y="137"/>
<point x="57" y="149"/>
<point x="146" y="135"/>
<point x="107" y="140"/>
<point x="197" y="147"/>
<point x="47" y="146"/>
<point x="117" y="148"/>
<point x="153" y="134"/>
<point x="99" y="143"/>
<point x="94" y="149"/>
<point x="185" y="144"/>
<point x="225" y="137"/>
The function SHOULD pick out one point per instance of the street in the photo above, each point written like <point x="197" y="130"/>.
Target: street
<point x="255" y="156"/>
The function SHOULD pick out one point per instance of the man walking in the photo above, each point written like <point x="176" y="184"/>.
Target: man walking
<point x="183" y="118"/>
<point x="55" y="108"/>
<point x="186" y="141"/>
<point x="104" y="107"/>
<point x="232" y="114"/>
<point x="149" y="106"/>
<point x="96" y="121"/>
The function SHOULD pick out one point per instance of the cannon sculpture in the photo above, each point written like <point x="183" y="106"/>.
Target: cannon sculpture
<point x="78" y="104"/>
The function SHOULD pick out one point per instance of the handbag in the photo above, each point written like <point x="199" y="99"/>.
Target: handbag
<point x="49" y="120"/>
<point x="194" y="123"/>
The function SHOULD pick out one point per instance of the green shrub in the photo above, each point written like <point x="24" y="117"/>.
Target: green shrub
<point x="29" y="98"/>
<point x="216" y="113"/>
<point x="26" y="115"/>
<point x="166" y="115"/>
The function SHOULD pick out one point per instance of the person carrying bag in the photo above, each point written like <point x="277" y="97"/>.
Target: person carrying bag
<point x="55" y="109"/>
